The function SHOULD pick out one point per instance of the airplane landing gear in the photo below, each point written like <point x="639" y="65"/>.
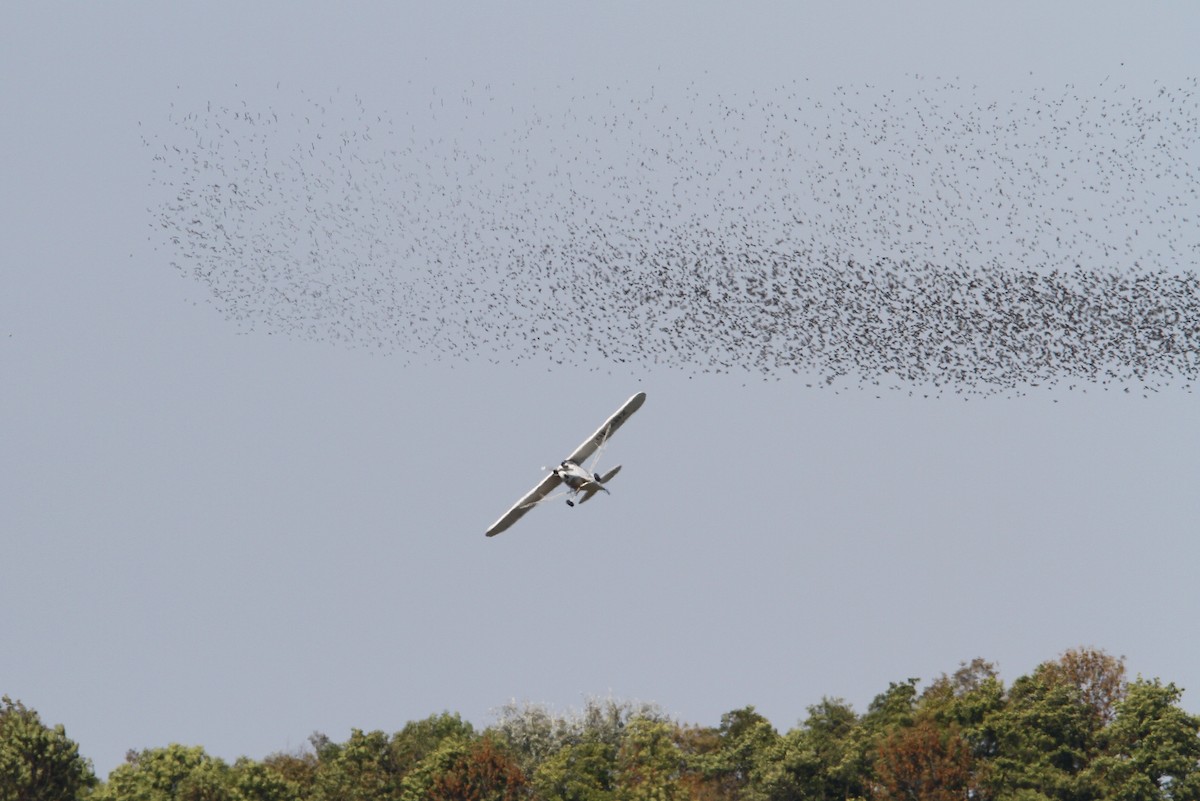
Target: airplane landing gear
<point x="570" y="503"/>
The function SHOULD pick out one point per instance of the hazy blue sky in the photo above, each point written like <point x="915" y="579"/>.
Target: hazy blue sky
<point x="232" y="539"/>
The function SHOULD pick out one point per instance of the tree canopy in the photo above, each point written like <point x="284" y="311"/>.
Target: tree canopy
<point x="1074" y="729"/>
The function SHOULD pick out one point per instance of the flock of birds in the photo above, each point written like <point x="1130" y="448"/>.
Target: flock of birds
<point x="922" y="238"/>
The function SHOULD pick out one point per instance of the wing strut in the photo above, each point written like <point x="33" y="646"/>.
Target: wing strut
<point x="549" y="497"/>
<point x="594" y="469"/>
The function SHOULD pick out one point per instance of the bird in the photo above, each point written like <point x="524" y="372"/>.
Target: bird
<point x="924" y="237"/>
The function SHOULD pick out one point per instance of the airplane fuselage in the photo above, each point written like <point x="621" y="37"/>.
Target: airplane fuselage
<point x="577" y="478"/>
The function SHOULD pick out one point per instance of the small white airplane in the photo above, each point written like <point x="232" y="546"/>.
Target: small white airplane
<point x="571" y="472"/>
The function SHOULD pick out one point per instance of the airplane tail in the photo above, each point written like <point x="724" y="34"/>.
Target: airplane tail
<point x="604" y="479"/>
<point x="599" y="485"/>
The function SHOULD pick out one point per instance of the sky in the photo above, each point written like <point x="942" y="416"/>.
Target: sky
<point x="232" y="535"/>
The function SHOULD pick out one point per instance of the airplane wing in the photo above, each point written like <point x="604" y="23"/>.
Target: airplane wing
<point x="544" y="488"/>
<point x="606" y="430"/>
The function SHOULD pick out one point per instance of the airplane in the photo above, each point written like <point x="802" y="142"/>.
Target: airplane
<point x="571" y="471"/>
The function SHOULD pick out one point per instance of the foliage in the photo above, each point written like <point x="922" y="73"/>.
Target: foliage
<point x="1098" y="677"/>
<point x="297" y="771"/>
<point x="823" y="759"/>
<point x="482" y="773"/>
<point x="38" y="762"/>
<point x="174" y="773"/>
<point x="419" y="783"/>
<point x="584" y="771"/>
<point x="1074" y="729"/>
<point x="924" y="763"/>
<point x="418" y="739"/>
<point x="1043" y="741"/>
<point x="1152" y="749"/>
<point x="967" y="700"/>
<point x="362" y="769"/>
<point x="258" y="781"/>
<point x="649" y="763"/>
<point x="533" y="731"/>
<point x="724" y="762"/>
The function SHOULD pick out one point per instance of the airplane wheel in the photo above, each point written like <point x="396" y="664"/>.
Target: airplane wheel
<point x="597" y="475"/>
<point x="570" y="503"/>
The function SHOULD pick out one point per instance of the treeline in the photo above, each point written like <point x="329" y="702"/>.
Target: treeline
<point x="1075" y="729"/>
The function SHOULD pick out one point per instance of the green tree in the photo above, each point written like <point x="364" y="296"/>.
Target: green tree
<point x="174" y="773"/>
<point x="892" y="709"/>
<point x="649" y="763"/>
<point x="745" y="737"/>
<point x="822" y="760"/>
<point x="967" y="700"/>
<point x="1050" y="729"/>
<point x="258" y="781"/>
<point x="584" y="771"/>
<point x="1152" y="747"/>
<point x="297" y="770"/>
<point x="723" y="762"/>
<point x="372" y="765"/>
<point x="1045" y="737"/>
<point x="361" y="769"/>
<point x="420" y="738"/>
<point x="38" y="762"/>
<point x="419" y="782"/>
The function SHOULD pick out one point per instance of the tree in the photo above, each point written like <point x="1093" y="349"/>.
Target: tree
<point x="583" y="771"/>
<point x="649" y="763"/>
<point x="1045" y="737"/>
<point x="482" y="773"/>
<point x="923" y="763"/>
<point x="297" y="770"/>
<point x="1152" y="748"/>
<point x="418" y="739"/>
<point x="893" y="708"/>
<point x="174" y="773"/>
<point x="822" y="759"/>
<point x="1099" y="678"/>
<point x="258" y="781"/>
<point x="418" y="783"/>
<point x="745" y="737"/>
<point x="967" y="699"/>
<point x="723" y="762"/>
<point x="607" y="720"/>
<point x="37" y="762"/>
<point x="361" y="769"/>
<point x="534" y="733"/>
